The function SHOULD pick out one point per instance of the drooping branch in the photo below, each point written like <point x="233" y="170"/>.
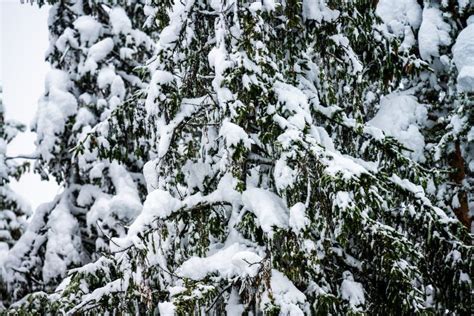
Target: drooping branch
<point x="29" y="157"/>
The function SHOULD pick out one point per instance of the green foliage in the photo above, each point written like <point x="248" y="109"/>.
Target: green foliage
<point x="265" y="175"/>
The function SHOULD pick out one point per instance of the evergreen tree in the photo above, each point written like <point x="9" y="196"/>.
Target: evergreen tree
<point x="274" y="185"/>
<point x="13" y="208"/>
<point x="436" y="35"/>
<point x="95" y="53"/>
<point x="449" y="89"/>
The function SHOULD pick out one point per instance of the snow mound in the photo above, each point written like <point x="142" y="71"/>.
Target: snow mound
<point x="158" y="204"/>
<point x="298" y="218"/>
<point x="399" y="14"/>
<point x="247" y="262"/>
<point x="234" y="134"/>
<point x="285" y="294"/>
<point x="228" y="262"/>
<point x="97" y="52"/>
<point x="89" y="29"/>
<point x="268" y="207"/>
<point x="319" y="11"/>
<point x="295" y="102"/>
<point x="63" y="242"/>
<point x="54" y="109"/>
<point x="125" y="205"/>
<point x="400" y="19"/>
<point x="166" y="308"/>
<point x="352" y="291"/>
<point x="120" y="21"/>
<point x="463" y="56"/>
<point x="434" y="32"/>
<point x="400" y="116"/>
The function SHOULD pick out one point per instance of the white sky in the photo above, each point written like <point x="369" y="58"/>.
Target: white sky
<point x="23" y="43"/>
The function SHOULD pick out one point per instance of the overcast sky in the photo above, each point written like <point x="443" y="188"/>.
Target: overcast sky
<point x="23" y="43"/>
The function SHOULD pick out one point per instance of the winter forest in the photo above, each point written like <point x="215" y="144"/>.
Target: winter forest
<point x="247" y="157"/>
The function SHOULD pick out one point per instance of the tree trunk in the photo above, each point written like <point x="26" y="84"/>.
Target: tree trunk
<point x="458" y="176"/>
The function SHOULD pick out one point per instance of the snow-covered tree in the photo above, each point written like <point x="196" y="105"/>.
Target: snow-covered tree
<point x="96" y="52"/>
<point x="439" y="35"/>
<point x="14" y="210"/>
<point x="449" y="89"/>
<point x="276" y="185"/>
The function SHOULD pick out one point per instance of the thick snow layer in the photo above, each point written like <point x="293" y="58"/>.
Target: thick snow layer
<point x="321" y="136"/>
<point x="218" y="60"/>
<point x="89" y="29"/>
<point x="238" y="260"/>
<point x="226" y="191"/>
<point x="234" y="306"/>
<point x="106" y="77"/>
<point x="234" y="134"/>
<point x="162" y="77"/>
<point x="117" y="88"/>
<point x="124" y="206"/>
<point x="400" y="18"/>
<point x="120" y="21"/>
<point x="97" y="52"/>
<point x="419" y="193"/>
<point x="84" y="117"/>
<point x="166" y="308"/>
<point x="30" y="239"/>
<point x="118" y="285"/>
<point x="352" y="291"/>
<point x="63" y="243"/>
<point x="188" y="107"/>
<point x="247" y="263"/>
<point x="178" y="14"/>
<point x="195" y="173"/>
<point x="295" y="102"/>
<point x="285" y="294"/>
<point x="433" y="33"/>
<point x="53" y="111"/>
<point x="343" y="164"/>
<point x="56" y="87"/>
<point x="12" y="197"/>
<point x="154" y="90"/>
<point x="284" y="175"/>
<point x="255" y="6"/>
<point x="228" y="262"/>
<point x="343" y="199"/>
<point x="159" y="204"/>
<point x="400" y="116"/>
<point x="3" y="255"/>
<point x="150" y="174"/>
<point x="463" y="56"/>
<point x="457" y="123"/>
<point x="87" y="194"/>
<point x="126" y="53"/>
<point x="298" y="218"/>
<point x="269" y="5"/>
<point x="466" y="79"/>
<point x="350" y="56"/>
<point x="66" y="39"/>
<point x="268" y="207"/>
<point x="399" y="14"/>
<point x="319" y="11"/>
